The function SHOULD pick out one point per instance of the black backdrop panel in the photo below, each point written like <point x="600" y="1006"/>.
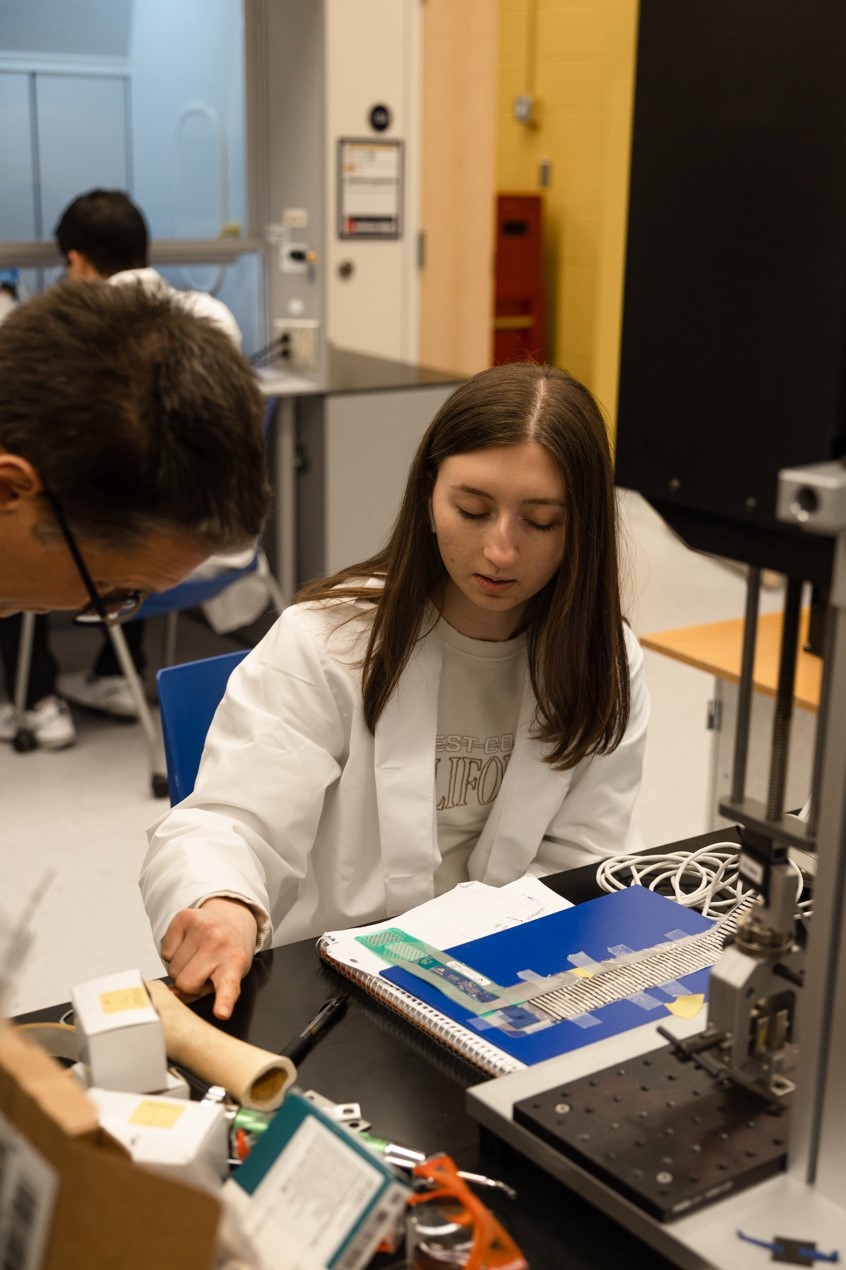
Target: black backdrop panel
<point x="732" y="361"/>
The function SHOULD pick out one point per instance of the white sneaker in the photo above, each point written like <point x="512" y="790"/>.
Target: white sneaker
<point x="107" y="694"/>
<point x="50" y="722"/>
<point x="8" y="722"/>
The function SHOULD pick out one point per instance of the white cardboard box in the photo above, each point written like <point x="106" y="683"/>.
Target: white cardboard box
<point x="176" y="1086"/>
<point x="122" y="1040"/>
<point x="189" y="1140"/>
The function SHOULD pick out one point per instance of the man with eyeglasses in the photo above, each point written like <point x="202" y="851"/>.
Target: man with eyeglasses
<point x="130" y="450"/>
<point x="103" y="237"/>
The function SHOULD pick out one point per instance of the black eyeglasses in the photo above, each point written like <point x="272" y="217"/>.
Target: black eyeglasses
<point x="105" y="610"/>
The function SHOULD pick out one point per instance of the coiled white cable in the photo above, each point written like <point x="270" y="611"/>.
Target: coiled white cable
<point x="707" y="879"/>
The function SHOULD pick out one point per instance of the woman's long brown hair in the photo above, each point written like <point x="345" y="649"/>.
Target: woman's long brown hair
<point x="576" y="646"/>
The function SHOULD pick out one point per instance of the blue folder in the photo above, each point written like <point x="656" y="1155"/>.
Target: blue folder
<point x="634" y="919"/>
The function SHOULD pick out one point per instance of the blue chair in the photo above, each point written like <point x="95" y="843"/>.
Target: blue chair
<point x="189" y="694"/>
<point x="188" y="594"/>
<point x="168" y="604"/>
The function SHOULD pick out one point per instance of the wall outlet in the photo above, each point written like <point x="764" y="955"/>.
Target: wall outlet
<point x="295" y="217"/>
<point x="299" y="342"/>
<point x="294" y="258"/>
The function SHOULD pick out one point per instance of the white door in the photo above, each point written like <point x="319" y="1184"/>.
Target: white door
<point x="372" y="61"/>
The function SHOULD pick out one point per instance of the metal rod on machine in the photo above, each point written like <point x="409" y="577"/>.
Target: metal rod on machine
<point x="784" y="699"/>
<point x="822" y="724"/>
<point x="744" y="701"/>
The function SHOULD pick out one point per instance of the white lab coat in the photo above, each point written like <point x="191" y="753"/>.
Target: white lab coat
<point x="300" y="810"/>
<point x="200" y="303"/>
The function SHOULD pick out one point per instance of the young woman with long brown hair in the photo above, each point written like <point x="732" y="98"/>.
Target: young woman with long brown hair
<point x="466" y="703"/>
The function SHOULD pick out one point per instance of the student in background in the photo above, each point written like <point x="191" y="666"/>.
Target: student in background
<point x="468" y="703"/>
<point x="102" y="237"/>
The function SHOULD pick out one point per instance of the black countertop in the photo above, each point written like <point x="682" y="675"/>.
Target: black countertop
<point x="349" y="372"/>
<point x="346" y="372"/>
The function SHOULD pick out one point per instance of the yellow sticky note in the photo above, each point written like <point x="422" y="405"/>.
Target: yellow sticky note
<point x="581" y="972"/>
<point x="687" y="1007"/>
<point x="124" y="999"/>
<point x="156" y="1115"/>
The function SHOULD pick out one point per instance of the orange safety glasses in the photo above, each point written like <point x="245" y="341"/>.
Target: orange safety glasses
<point x="450" y="1227"/>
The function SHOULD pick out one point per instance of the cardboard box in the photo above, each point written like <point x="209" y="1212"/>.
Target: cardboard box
<point x="121" y="1035"/>
<point x="108" y="1213"/>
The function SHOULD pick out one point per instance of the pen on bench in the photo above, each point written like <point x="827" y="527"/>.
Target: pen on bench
<point x="326" y="1015"/>
<point x="295" y="1049"/>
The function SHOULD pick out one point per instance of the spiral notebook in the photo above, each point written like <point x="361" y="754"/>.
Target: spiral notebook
<point x="469" y="911"/>
<point x="537" y="977"/>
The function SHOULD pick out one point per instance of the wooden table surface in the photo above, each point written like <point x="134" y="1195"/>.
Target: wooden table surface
<point x="717" y="648"/>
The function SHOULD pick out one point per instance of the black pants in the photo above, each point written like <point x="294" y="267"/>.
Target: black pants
<point x="44" y="667"/>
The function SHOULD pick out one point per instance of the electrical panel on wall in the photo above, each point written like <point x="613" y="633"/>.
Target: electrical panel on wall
<point x="293" y="119"/>
<point x="295" y="256"/>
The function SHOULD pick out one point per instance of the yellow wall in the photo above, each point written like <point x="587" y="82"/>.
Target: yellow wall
<point x="576" y="59"/>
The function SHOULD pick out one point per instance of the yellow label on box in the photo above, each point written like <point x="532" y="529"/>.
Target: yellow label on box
<point x="124" y="999"/>
<point x="156" y="1115"/>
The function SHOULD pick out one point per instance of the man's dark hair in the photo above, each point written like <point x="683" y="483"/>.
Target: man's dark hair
<point x="138" y="416"/>
<point x="107" y="228"/>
